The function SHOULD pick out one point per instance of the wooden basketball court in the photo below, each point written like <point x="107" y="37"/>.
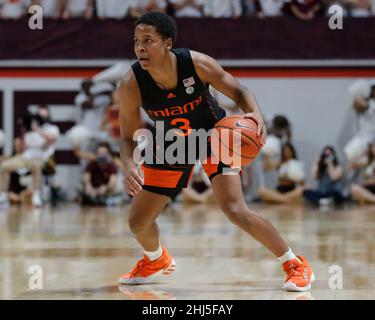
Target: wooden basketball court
<point x="81" y="252"/>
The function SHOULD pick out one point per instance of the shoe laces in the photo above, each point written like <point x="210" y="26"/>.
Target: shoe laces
<point x="297" y="271"/>
<point x="139" y="266"/>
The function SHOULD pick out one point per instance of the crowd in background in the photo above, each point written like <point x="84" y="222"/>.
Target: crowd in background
<point x="119" y="9"/>
<point x="95" y="140"/>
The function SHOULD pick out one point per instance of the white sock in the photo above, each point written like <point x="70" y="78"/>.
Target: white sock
<point x="289" y="255"/>
<point x="154" y="255"/>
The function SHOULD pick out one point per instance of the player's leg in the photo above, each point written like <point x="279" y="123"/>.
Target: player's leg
<point x="145" y="208"/>
<point x="228" y="193"/>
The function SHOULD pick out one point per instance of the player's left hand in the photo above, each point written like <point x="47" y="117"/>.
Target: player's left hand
<point x="262" y="129"/>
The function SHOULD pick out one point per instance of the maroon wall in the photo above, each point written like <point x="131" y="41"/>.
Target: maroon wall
<point x="246" y="38"/>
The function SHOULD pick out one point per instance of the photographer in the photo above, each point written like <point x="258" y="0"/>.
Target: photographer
<point x="329" y="173"/>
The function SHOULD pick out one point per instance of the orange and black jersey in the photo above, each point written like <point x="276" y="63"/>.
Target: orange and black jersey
<point x="188" y="106"/>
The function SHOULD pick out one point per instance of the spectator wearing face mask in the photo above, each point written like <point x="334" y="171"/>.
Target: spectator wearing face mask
<point x="100" y="177"/>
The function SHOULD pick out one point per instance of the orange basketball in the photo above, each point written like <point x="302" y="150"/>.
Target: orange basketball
<point x="234" y="140"/>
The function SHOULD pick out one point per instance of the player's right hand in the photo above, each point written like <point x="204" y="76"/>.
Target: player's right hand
<point x="134" y="179"/>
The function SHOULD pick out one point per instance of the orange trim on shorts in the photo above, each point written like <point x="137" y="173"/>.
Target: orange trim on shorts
<point x="161" y="178"/>
<point x="210" y="168"/>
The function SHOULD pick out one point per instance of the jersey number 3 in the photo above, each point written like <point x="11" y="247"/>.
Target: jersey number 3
<point x="182" y="124"/>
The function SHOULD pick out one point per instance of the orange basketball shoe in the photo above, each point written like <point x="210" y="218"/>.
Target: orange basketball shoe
<point x="299" y="275"/>
<point x="147" y="270"/>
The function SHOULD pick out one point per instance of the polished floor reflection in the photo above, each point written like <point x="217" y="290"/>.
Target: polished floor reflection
<point x="78" y="253"/>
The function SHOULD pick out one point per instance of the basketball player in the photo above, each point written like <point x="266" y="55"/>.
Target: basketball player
<point x="163" y="80"/>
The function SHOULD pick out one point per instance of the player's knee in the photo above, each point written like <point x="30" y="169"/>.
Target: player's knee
<point x="236" y="212"/>
<point x="136" y="225"/>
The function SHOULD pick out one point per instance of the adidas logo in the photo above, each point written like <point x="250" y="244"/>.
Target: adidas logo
<point x="171" y="96"/>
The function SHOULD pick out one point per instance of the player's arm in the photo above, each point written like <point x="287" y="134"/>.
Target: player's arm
<point x="130" y="122"/>
<point x="210" y="71"/>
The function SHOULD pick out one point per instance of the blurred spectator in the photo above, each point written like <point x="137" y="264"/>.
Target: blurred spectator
<point x="365" y="192"/>
<point x="188" y="8"/>
<point x="290" y="175"/>
<point x="281" y="128"/>
<point x="111" y="122"/>
<point x="18" y="190"/>
<point x="269" y="8"/>
<point x="100" y="177"/>
<point x="117" y="9"/>
<point x="14" y="9"/>
<point x="51" y="8"/>
<point x="365" y="108"/>
<point x="78" y="8"/>
<point x="140" y="7"/>
<point x="363" y="93"/>
<point x="223" y="8"/>
<point x="344" y="4"/>
<point x="329" y="174"/>
<point x="93" y="100"/>
<point x="306" y="9"/>
<point x="360" y="8"/>
<point x="40" y="143"/>
<point x="248" y="8"/>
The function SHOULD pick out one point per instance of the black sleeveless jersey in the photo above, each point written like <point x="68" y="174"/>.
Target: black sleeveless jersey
<point x="188" y="106"/>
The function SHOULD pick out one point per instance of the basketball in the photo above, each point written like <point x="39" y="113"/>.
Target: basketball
<point x="234" y="140"/>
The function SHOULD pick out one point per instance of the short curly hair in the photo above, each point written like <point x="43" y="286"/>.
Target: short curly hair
<point x="164" y="24"/>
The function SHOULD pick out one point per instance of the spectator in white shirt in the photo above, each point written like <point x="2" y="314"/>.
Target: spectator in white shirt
<point x="51" y="8"/>
<point x="140" y="7"/>
<point x="78" y="8"/>
<point x="40" y="143"/>
<point x="360" y="8"/>
<point x="188" y="8"/>
<point x="116" y="9"/>
<point x="13" y="9"/>
<point x="223" y="8"/>
<point x="269" y="8"/>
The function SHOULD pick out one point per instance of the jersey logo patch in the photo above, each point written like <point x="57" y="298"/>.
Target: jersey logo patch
<point x="189" y="82"/>
<point x="171" y="96"/>
<point x="190" y="90"/>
